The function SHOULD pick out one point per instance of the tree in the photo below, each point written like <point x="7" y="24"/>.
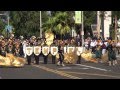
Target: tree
<point x="59" y="23"/>
<point x="60" y="19"/>
<point x="90" y="17"/>
<point x="25" y="22"/>
<point x="3" y="20"/>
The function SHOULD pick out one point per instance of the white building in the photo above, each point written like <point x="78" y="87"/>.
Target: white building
<point x="107" y="23"/>
<point x="118" y="30"/>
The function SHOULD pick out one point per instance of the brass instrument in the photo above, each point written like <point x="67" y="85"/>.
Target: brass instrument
<point x="49" y="38"/>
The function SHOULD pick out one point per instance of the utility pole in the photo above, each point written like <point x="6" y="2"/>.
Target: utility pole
<point x="98" y="23"/>
<point x="102" y="20"/>
<point x="79" y="20"/>
<point x="40" y="25"/>
<point x="82" y="28"/>
<point x="115" y="28"/>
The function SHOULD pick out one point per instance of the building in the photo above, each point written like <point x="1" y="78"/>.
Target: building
<point x="118" y="30"/>
<point x="107" y="23"/>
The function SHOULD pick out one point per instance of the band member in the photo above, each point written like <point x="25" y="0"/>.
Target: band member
<point x="98" y="52"/>
<point x="17" y="51"/>
<point x="93" y="45"/>
<point x="79" y="51"/>
<point x="24" y="48"/>
<point x="45" y="51"/>
<point x="53" y="59"/>
<point x="54" y="51"/>
<point x="45" y="59"/>
<point x="37" y="51"/>
<point x="103" y="48"/>
<point x="114" y="56"/>
<point x="86" y="44"/>
<point x="61" y="57"/>
<point x="29" y="60"/>
<point x="21" y="50"/>
<point x="111" y="55"/>
<point x="29" y="51"/>
<point x="79" y="59"/>
<point x="10" y="49"/>
<point x="37" y="59"/>
<point x="3" y="49"/>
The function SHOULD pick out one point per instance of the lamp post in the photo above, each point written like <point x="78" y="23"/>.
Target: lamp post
<point x="40" y="25"/>
<point x="98" y="23"/>
<point x="79" y="19"/>
<point x="115" y="28"/>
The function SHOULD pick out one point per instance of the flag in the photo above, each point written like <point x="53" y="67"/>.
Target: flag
<point x="78" y="17"/>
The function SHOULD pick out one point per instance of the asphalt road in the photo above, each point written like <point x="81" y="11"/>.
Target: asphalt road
<point x="86" y="70"/>
<point x="27" y="72"/>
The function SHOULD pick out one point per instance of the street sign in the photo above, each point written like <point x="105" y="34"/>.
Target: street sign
<point x="78" y="19"/>
<point x="9" y="28"/>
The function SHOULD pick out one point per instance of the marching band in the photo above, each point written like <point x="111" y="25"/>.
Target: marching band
<point x="33" y="47"/>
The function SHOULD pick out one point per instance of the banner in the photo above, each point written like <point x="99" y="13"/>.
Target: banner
<point x="37" y="50"/>
<point x="45" y="50"/>
<point x="79" y="50"/>
<point x="54" y="50"/>
<point x="78" y="17"/>
<point x="70" y="49"/>
<point x="29" y="50"/>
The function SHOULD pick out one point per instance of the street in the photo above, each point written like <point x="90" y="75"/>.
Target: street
<point x="86" y="70"/>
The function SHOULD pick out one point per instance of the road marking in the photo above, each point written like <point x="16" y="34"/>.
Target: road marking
<point x="65" y="68"/>
<point x="92" y="67"/>
<point x="82" y="68"/>
<point x="57" y="72"/>
<point x="92" y="74"/>
<point x="71" y="68"/>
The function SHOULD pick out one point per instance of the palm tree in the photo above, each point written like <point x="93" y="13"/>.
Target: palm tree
<point x="61" y="26"/>
<point x="58" y="23"/>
